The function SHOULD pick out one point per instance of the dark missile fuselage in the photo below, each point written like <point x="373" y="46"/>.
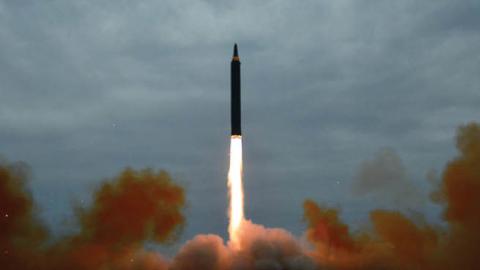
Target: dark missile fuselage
<point x="235" y="94"/>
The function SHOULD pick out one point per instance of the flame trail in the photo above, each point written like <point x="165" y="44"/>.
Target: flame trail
<point x="236" y="188"/>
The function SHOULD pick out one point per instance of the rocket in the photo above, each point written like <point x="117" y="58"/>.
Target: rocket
<point x="235" y="93"/>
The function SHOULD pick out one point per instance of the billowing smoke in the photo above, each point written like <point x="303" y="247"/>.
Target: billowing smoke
<point x="397" y="242"/>
<point x="385" y="179"/>
<point x="147" y="205"/>
<point x="21" y="234"/>
<point x="260" y="249"/>
<point x="128" y="210"/>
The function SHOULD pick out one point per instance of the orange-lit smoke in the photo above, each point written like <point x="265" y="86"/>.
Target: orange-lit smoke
<point x="128" y="210"/>
<point x="397" y="242"/>
<point x="138" y="206"/>
<point x="21" y="234"/>
<point x="134" y="207"/>
<point x="236" y="189"/>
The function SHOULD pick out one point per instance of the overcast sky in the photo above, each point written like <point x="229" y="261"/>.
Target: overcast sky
<point x="89" y="87"/>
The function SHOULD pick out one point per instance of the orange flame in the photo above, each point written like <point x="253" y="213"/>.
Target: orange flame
<point x="236" y="189"/>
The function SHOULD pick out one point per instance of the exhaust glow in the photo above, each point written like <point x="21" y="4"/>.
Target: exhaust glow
<point x="236" y="189"/>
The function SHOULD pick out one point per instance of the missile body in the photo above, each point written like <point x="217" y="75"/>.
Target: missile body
<point x="235" y="94"/>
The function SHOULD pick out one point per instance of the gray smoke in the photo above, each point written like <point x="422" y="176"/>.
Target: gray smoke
<point x="385" y="178"/>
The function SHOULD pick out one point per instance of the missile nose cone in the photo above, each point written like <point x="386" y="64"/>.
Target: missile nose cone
<point x="235" y="53"/>
<point x="235" y="50"/>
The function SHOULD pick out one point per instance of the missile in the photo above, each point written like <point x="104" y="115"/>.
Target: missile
<point x="235" y="93"/>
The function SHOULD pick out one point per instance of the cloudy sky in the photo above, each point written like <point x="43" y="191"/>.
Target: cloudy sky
<point x="331" y="89"/>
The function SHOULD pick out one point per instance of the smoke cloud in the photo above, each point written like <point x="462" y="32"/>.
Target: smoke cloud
<point x="260" y="249"/>
<point x="21" y="234"/>
<point x="397" y="242"/>
<point x="147" y="205"/>
<point x="385" y="179"/>
<point x="127" y="210"/>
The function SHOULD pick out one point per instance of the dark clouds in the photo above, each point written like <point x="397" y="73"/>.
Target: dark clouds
<point x="89" y="87"/>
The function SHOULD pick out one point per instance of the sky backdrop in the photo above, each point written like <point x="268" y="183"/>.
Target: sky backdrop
<point x="330" y="90"/>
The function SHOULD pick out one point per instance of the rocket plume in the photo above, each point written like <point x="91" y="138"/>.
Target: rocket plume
<point x="236" y="189"/>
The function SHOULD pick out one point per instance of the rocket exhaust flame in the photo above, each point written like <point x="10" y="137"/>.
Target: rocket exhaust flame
<point x="236" y="189"/>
